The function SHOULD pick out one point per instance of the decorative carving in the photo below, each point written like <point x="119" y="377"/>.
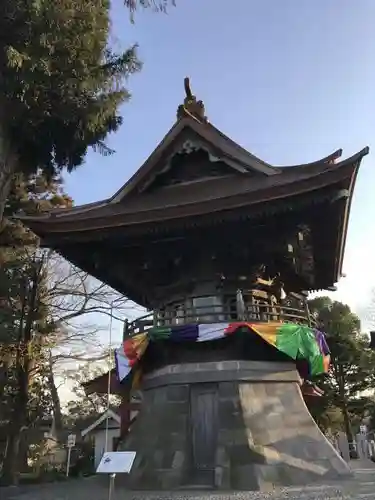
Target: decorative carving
<point x="191" y="106"/>
<point x="191" y="163"/>
<point x="300" y="253"/>
<point x="189" y="147"/>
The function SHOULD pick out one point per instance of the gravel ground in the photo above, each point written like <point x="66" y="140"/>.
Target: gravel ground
<point x="362" y="487"/>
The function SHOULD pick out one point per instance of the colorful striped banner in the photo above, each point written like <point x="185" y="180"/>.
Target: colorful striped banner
<point x="299" y="342"/>
<point x="135" y="347"/>
<point x="192" y="332"/>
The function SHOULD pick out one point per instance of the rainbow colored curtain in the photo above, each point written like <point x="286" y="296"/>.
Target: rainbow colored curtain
<point x="296" y="341"/>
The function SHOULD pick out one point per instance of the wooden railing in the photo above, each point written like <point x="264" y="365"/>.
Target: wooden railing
<point x="177" y="313"/>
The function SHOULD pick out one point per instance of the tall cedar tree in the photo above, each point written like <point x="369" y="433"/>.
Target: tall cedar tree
<point x="23" y="318"/>
<point x="352" y="363"/>
<point x="61" y="85"/>
<point x="156" y="5"/>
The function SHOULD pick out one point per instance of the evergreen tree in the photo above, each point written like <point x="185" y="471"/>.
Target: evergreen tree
<point x="157" y="5"/>
<point x="24" y="316"/>
<point x="352" y="364"/>
<point x="61" y="85"/>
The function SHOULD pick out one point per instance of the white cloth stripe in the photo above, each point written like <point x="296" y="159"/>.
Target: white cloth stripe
<point x="211" y="331"/>
<point x="122" y="363"/>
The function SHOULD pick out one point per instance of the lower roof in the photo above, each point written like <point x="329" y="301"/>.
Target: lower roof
<point x="181" y="202"/>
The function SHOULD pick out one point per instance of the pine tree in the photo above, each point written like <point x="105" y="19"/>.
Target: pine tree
<point x="156" y="5"/>
<point x="352" y="363"/>
<point x="61" y="85"/>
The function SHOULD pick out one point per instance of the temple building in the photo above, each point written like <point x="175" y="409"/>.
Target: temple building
<point x="206" y="235"/>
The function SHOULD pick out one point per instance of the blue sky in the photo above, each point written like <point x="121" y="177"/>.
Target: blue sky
<point x="289" y="80"/>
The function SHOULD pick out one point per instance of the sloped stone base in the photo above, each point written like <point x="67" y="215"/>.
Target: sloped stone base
<point x="228" y="425"/>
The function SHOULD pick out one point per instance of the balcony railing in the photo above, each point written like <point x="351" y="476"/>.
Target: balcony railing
<point x="210" y="309"/>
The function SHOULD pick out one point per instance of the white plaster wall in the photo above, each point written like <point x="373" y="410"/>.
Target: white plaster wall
<point x="100" y="442"/>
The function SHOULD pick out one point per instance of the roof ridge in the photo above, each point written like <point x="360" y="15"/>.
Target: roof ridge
<point x="240" y="148"/>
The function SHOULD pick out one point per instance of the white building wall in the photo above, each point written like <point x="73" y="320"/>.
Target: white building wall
<point x="100" y="442"/>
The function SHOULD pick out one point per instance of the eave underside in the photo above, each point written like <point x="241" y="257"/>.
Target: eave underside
<point x="96" y="240"/>
<point x="114" y="256"/>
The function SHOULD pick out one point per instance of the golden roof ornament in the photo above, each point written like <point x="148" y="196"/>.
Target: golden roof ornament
<point x="191" y="106"/>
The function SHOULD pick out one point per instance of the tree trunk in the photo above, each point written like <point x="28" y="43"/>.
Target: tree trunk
<point x="3" y="378"/>
<point x="19" y="419"/>
<point x="23" y="453"/>
<point x="8" y="164"/>
<point x="343" y="404"/>
<point x="10" y="475"/>
<point x="347" y="425"/>
<point x="57" y="413"/>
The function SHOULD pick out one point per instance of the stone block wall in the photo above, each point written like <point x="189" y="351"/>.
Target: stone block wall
<point x="265" y="435"/>
<point x="268" y="438"/>
<point x="160" y="436"/>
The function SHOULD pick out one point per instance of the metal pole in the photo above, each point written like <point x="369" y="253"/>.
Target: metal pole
<point x="111" y="486"/>
<point x="112" y="476"/>
<point x="68" y="461"/>
<point x="109" y="377"/>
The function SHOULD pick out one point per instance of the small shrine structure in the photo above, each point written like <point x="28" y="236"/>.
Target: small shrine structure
<point x="222" y="248"/>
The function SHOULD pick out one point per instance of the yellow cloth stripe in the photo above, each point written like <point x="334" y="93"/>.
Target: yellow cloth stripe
<point x="268" y="331"/>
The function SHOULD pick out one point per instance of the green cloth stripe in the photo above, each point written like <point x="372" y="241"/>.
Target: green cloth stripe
<point x="160" y="332"/>
<point x="317" y="365"/>
<point x="299" y="342"/>
<point x="288" y="339"/>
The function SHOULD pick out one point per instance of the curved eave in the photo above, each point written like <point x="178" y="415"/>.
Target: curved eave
<point x="88" y="207"/>
<point x="327" y="159"/>
<point x="310" y="178"/>
<point x="340" y="251"/>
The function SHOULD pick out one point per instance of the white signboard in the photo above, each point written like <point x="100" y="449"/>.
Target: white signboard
<point x="71" y="440"/>
<point x="116" y="462"/>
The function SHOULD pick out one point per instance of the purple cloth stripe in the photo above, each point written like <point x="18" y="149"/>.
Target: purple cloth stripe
<point x="322" y="343"/>
<point x="183" y="333"/>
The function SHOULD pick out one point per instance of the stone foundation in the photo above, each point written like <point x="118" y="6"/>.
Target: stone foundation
<point x="227" y="425"/>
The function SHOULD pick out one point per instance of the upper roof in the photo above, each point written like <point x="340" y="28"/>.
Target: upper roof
<point x="212" y="195"/>
<point x="246" y="175"/>
<point x="247" y="181"/>
<point x="197" y="173"/>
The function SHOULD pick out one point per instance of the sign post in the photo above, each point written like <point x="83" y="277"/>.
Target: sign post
<point x="115" y="462"/>
<point x="71" y="444"/>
